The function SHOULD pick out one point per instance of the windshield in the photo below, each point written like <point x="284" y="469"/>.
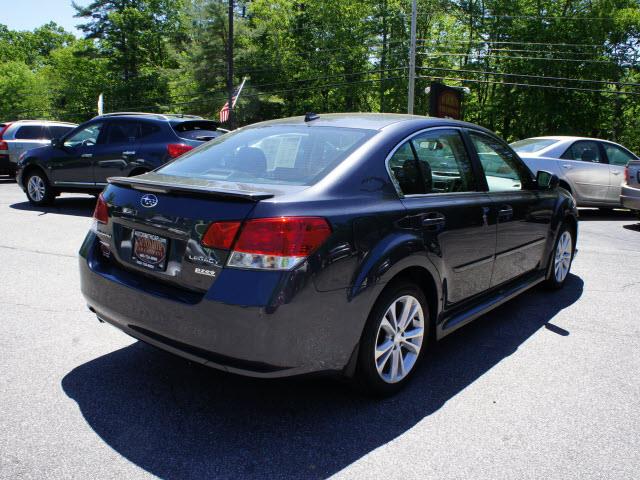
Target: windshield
<point x="282" y="154"/>
<point x="530" y="145"/>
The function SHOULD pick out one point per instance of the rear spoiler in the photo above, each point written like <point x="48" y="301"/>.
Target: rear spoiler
<point x="165" y="187"/>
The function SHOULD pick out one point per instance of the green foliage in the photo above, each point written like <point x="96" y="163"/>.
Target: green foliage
<point x="532" y="67"/>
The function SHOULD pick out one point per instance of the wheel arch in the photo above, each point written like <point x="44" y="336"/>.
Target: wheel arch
<point x="31" y="167"/>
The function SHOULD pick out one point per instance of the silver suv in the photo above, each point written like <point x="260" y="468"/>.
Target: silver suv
<point x="22" y="135"/>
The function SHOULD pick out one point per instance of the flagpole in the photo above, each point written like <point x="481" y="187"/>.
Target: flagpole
<point x="235" y="100"/>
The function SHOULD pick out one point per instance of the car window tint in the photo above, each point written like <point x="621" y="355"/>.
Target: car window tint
<point x="503" y="170"/>
<point x="120" y="133"/>
<point x="57" y="131"/>
<point x="148" y="129"/>
<point x="30" y="132"/>
<point x="616" y="155"/>
<point x="87" y="136"/>
<point x="202" y="130"/>
<point x="444" y="162"/>
<point x="277" y="154"/>
<point x="584" y="150"/>
<point x="405" y="170"/>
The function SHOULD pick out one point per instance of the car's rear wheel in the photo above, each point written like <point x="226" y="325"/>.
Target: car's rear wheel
<point x="561" y="258"/>
<point x="394" y="339"/>
<point x="39" y="192"/>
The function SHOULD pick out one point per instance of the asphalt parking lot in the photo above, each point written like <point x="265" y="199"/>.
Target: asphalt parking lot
<point x="547" y="386"/>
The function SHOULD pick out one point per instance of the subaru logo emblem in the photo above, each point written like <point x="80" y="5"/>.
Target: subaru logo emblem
<point x="149" y="200"/>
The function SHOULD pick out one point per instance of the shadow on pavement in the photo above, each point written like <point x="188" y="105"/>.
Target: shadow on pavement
<point x="77" y="206"/>
<point x="178" y="420"/>
<point x="7" y="180"/>
<point x="589" y="214"/>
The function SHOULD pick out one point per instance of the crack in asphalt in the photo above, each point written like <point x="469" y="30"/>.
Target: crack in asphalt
<point x="38" y="251"/>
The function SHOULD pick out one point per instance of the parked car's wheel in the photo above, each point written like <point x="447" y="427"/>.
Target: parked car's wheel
<point x="561" y="258"/>
<point x="39" y="192"/>
<point x="394" y="339"/>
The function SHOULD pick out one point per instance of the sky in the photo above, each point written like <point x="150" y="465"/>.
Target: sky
<point x="29" y="14"/>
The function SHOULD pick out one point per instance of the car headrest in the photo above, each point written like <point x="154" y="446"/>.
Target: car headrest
<point x="588" y="155"/>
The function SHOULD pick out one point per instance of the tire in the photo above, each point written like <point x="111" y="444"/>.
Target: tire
<point x="383" y="374"/>
<point x="39" y="192"/>
<point x="561" y="258"/>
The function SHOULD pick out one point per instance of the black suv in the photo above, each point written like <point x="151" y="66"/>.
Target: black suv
<point x="115" y="144"/>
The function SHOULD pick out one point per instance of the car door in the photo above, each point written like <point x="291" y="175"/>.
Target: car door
<point x="117" y="151"/>
<point x="72" y="162"/>
<point x="439" y="188"/>
<point x="585" y="167"/>
<point x="523" y="212"/>
<point x="618" y="158"/>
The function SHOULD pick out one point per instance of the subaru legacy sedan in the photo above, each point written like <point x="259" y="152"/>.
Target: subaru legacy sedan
<point x="340" y="243"/>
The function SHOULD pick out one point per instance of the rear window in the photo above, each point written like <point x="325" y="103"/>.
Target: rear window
<point x="58" y="131"/>
<point x="530" y="145"/>
<point x="30" y="132"/>
<point x="202" y="130"/>
<point x="294" y="155"/>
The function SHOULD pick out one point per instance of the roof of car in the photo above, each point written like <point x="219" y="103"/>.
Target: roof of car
<point x="39" y="122"/>
<point x="156" y="116"/>
<point x="568" y="138"/>
<point x="371" y="121"/>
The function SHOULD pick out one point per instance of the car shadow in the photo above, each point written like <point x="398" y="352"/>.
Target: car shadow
<point x="179" y="420"/>
<point x="77" y="206"/>
<point x="594" y="214"/>
<point x="7" y="180"/>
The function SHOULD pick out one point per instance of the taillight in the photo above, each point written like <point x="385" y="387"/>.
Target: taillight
<point x="101" y="212"/>
<point x="269" y="243"/>
<point x="220" y="235"/>
<point x="626" y="174"/>
<point x="3" y="145"/>
<point x="176" y="149"/>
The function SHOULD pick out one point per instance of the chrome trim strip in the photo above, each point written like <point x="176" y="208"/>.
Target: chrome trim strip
<point x="84" y="184"/>
<point x="521" y="248"/>
<point x="477" y="263"/>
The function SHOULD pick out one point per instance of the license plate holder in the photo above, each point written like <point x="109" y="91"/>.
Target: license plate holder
<point x="149" y="250"/>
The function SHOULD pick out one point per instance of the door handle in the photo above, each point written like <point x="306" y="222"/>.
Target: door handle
<point x="433" y="219"/>
<point x="129" y="152"/>
<point x="506" y="211"/>
<point x="615" y="173"/>
<point x="566" y="165"/>
<point x="86" y="155"/>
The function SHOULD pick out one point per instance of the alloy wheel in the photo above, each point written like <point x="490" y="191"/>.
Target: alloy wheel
<point x="399" y="339"/>
<point x="562" y="261"/>
<point x="36" y="188"/>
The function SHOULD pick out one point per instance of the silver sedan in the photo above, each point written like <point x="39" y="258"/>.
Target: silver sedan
<point x="590" y="168"/>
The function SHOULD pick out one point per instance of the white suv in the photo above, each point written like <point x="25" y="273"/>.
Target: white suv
<point x="22" y="135"/>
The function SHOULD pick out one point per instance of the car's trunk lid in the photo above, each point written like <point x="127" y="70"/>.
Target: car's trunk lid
<point x="157" y="223"/>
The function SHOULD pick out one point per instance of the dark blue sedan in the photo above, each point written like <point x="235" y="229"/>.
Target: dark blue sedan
<point x="326" y="243"/>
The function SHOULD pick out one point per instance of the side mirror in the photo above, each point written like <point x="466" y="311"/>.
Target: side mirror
<point x="547" y="180"/>
<point x="56" y="143"/>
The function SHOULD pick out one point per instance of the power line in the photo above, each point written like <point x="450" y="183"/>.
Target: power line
<point x="504" y="42"/>
<point x="515" y="84"/>
<point x="512" y="57"/>
<point x="483" y="72"/>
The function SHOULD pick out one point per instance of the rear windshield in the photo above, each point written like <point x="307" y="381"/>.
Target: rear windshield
<point x="294" y="155"/>
<point x="203" y="130"/>
<point x="530" y="145"/>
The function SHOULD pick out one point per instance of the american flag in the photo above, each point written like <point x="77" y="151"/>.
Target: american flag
<point x="224" y="112"/>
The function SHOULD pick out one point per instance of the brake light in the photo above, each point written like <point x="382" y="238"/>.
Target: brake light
<point x="3" y="145"/>
<point x="220" y="235"/>
<point x="626" y="174"/>
<point x="176" y="149"/>
<point x="101" y="212"/>
<point x="280" y="243"/>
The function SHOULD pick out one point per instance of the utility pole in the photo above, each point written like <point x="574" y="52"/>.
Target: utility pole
<point x="230" y="68"/>
<point x="412" y="57"/>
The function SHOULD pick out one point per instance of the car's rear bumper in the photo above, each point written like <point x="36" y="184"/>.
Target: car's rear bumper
<point x="7" y="167"/>
<point x="315" y="332"/>
<point x="630" y="197"/>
